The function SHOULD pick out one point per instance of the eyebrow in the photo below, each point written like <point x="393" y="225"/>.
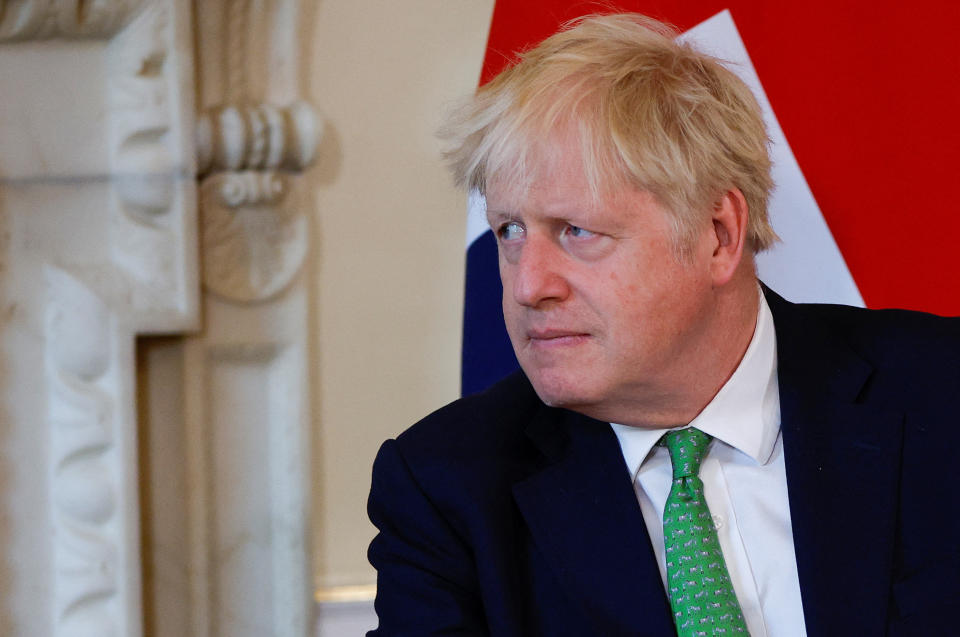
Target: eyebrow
<point x="499" y="215"/>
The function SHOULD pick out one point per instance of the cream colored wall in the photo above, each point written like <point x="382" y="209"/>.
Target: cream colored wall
<point x="390" y="255"/>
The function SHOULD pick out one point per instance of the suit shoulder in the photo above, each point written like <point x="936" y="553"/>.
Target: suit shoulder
<point x="486" y="423"/>
<point x="901" y="334"/>
<point x="465" y="457"/>
<point x="915" y="354"/>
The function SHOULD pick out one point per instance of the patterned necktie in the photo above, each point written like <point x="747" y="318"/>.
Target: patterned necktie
<point x="701" y="594"/>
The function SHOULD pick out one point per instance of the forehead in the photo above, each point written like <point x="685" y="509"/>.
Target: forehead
<point x="542" y="178"/>
<point x="568" y="161"/>
<point x="550" y="172"/>
<point x="556" y="183"/>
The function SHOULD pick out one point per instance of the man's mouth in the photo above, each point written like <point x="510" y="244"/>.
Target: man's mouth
<point x="555" y="337"/>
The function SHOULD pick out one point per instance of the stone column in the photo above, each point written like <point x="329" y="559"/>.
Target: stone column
<point x="246" y="375"/>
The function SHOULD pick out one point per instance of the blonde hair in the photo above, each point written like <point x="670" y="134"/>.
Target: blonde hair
<point x="650" y="112"/>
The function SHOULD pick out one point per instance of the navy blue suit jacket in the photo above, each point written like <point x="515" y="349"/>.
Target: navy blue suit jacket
<point x="501" y="516"/>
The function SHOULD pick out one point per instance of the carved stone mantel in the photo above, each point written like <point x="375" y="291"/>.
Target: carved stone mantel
<point x="98" y="204"/>
<point x="103" y="136"/>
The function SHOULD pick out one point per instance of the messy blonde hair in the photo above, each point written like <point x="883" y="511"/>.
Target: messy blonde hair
<point x="650" y="112"/>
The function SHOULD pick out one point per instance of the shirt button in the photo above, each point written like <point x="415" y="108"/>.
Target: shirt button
<point x="718" y="521"/>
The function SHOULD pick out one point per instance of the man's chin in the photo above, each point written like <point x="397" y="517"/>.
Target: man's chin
<point x="564" y="393"/>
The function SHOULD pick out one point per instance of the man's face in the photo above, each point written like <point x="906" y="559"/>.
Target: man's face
<point x="602" y="314"/>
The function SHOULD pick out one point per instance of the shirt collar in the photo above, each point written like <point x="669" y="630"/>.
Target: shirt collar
<point x="744" y="414"/>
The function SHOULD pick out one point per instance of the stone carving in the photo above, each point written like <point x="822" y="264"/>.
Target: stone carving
<point x="254" y="234"/>
<point x="250" y="147"/>
<point x="105" y="246"/>
<point x="254" y="137"/>
<point x="33" y="19"/>
<point x="153" y="222"/>
<point x="83" y="489"/>
<point x="144" y="180"/>
<point x="140" y="115"/>
<point x="251" y="187"/>
<point x="257" y="136"/>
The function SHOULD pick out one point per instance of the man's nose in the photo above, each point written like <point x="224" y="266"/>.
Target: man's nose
<point x="538" y="278"/>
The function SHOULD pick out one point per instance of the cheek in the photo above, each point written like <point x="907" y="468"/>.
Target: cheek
<point x="506" y="280"/>
<point x="511" y="309"/>
<point x="645" y="304"/>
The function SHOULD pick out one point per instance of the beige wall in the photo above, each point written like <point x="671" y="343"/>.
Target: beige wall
<point x="390" y="255"/>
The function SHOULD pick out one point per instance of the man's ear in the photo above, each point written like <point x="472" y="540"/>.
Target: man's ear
<point x="730" y="216"/>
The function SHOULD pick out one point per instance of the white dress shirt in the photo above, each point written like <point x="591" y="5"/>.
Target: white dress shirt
<point x="745" y="486"/>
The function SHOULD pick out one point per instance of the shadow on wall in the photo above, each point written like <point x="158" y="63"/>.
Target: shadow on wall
<point x="329" y="157"/>
<point x="7" y="309"/>
<point x="163" y="493"/>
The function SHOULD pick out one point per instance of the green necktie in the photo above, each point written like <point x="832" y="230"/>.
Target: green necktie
<point x="701" y="594"/>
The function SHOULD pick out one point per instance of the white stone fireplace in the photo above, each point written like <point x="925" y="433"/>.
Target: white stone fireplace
<point x="136" y="136"/>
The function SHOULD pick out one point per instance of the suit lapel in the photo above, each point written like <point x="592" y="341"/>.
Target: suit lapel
<point x="842" y="461"/>
<point x="584" y="517"/>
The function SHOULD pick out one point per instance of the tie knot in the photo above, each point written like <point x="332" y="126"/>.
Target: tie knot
<point x="687" y="448"/>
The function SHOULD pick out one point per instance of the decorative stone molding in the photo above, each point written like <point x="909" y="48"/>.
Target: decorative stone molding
<point x="138" y="96"/>
<point x="254" y="231"/>
<point x="246" y="390"/>
<point x="35" y="19"/>
<point x="260" y="136"/>
<point x="254" y="234"/>
<point x="100" y="234"/>
<point x="250" y="188"/>
<point x="85" y="493"/>
<point x="151" y="156"/>
<point x="248" y="447"/>
<point x="98" y="206"/>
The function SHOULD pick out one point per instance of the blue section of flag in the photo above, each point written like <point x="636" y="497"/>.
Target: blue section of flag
<point x="487" y="353"/>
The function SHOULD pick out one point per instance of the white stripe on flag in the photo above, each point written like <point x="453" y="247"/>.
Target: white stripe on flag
<point x="807" y="265"/>
<point x="476" y="216"/>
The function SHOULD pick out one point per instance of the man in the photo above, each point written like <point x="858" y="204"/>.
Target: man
<point x="685" y="453"/>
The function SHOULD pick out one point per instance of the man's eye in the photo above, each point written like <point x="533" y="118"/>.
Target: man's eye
<point x="578" y="232"/>
<point x="510" y="231"/>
